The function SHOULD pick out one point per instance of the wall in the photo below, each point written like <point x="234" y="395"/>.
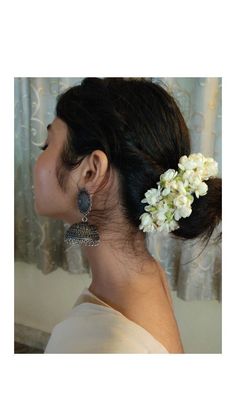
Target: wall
<point x="41" y="301"/>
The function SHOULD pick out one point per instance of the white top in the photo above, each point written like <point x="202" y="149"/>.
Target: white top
<point x="92" y="326"/>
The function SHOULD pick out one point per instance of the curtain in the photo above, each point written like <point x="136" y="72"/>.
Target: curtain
<point x="193" y="273"/>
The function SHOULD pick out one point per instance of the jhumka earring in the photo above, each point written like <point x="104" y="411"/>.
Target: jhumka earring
<point x="83" y="233"/>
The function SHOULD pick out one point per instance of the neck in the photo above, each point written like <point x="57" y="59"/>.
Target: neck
<point x="115" y="270"/>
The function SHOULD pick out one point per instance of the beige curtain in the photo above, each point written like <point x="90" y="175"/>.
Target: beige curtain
<point x="40" y="240"/>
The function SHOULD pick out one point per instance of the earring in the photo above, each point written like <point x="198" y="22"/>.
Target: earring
<point x="83" y="233"/>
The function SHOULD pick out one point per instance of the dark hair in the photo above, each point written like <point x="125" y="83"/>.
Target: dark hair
<point x="140" y="128"/>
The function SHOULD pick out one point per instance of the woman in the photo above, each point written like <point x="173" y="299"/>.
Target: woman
<point x="111" y="142"/>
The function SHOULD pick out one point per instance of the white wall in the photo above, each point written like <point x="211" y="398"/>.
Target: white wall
<point x="41" y="301"/>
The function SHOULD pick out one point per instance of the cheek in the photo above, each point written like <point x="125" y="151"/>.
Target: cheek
<point x="45" y="184"/>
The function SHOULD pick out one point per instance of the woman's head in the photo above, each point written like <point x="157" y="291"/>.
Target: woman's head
<point x="117" y="137"/>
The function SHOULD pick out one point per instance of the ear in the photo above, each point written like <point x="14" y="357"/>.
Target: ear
<point x="93" y="169"/>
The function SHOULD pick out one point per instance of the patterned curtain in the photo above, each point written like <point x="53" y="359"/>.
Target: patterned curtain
<point x="193" y="273"/>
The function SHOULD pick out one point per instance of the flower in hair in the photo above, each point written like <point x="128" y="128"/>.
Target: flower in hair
<point x="175" y="191"/>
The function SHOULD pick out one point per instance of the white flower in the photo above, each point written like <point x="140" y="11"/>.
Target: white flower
<point x="179" y="186"/>
<point x="198" y="159"/>
<point x="201" y="189"/>
<point x="177" y="215"/>
<point x="194" y="161"/>
<point x="181" y="201"/>
<point x="182" y="212"/>
<point x="166" y="180"/>
<point x="150" y="208"/>
<point x="160" y="214"/>
<point x="194" y="180"/>
<point x="190" y="198"/>
<point x="204" y="167"/>
<point x="210" y="168"/>
<point x="166" y="191"/>
<point x="187" y="174"/>
<point x="167" y="227"/>
<point x="168" y="176"/>
<point x="185" y="211"/>
<point x="174" y="196"/>
<point x="153" y="195"/>
<point x="147" y="224"/>
<point x="173" y="225"/>
<point x="186" y="164"/>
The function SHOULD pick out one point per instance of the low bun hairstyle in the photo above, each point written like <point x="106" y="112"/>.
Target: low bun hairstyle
<point x="140" y="128"/>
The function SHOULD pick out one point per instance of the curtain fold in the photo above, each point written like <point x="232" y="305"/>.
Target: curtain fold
<point x="40" y="240"/>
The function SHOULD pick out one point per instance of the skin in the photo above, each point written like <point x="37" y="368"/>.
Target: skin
<point x="129" y="283"/>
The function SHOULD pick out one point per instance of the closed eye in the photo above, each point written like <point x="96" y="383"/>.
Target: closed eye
<point x="43" y="147"/>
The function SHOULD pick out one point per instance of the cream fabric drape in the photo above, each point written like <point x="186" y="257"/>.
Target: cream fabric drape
<point x="40" y="240"/>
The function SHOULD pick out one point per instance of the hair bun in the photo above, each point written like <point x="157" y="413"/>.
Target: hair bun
<point x="206" y="213"/>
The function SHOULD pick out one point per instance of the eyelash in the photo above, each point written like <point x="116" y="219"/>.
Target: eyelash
<point x="43" y="147"/>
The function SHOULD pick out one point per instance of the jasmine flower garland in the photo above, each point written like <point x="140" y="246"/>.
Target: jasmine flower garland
<point x="174" y="195"/>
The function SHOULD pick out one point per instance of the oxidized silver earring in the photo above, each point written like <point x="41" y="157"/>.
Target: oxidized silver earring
<point x="83" y="233"/>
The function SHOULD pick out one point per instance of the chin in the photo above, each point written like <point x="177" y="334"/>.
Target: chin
<point x="45" y="211"/>
<point x="40" y="209"/>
